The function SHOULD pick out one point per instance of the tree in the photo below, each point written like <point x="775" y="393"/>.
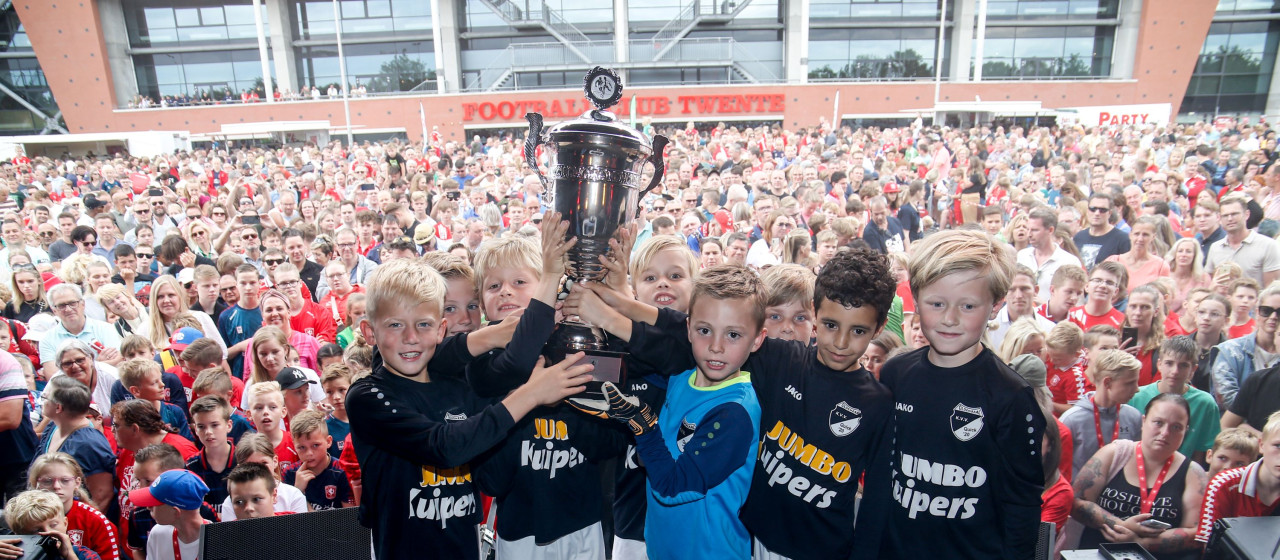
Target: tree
<point x="401" y="73"/>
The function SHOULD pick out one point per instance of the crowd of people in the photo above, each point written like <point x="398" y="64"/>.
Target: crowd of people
<point x="227" y="96"/>
<point x="932" y="319"/>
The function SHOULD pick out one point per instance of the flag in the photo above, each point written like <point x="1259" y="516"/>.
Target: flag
<point x="422" y="115"/>
<point x="835" y="113"/>
<point x="633" y="111"/>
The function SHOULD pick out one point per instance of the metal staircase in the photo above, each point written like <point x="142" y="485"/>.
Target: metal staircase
<point x="536" y="13"/>
<point x="693" y="15"/>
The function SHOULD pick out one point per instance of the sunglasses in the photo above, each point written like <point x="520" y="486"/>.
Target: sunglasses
<point x="88" y="243"/>
<point x="1264" y="311"/>
<point x="146" y="255"/>
<point x="1099" y="210"/>
<point x="273" y="262"/>
<point x="250" y="236"/>
<point x="219" y="213"/>
<point x="46" y="234"/>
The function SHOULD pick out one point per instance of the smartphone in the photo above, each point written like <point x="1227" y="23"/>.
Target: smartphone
<point x="155" y="192"/>
<point x="368" y="187"/>
<point x="1155" y="524"/>
<point x="1129" y="334"/>
<point x="453" y="195"/>
<point x="250" y="220"/>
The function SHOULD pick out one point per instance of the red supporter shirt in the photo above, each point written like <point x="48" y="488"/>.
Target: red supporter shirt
<point x="330" y="300"/>
<point x="908" y="302"/>
<point x="1241" y="330"/>
<point x="1068" y="450"/>
<point x="1232" y="493"/>
<point x="316" y="320"/>
<point x="286" y="455"/>
<point x="348" y="460"/>
<point x="1067" y="384"/>
<point x="1148" y="374"/>
<point x="87" y="527"/>
<point x="1056" y="503"/>
<point x="1173" y="326"/>
<point x="1086" y="321"/>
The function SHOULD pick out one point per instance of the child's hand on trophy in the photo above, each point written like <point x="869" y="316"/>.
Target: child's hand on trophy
<point x="618" y="259"/>
<point x="554" y="246"/>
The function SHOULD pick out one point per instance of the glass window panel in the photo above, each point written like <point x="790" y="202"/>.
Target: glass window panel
<point x="187" y="17"/>
<point x="378" y="8"/>
<point x="352" y="9"/>
<point x="412" y="23"/>
<point x="1242" y="84"/>
<point x="998" y="48"/>
<point x="239" y="15"/>
<point x="410" y="8"/>
<point x="200" y="34"/>
<point x="212" y="16"/>
<point x="158" y="18"/>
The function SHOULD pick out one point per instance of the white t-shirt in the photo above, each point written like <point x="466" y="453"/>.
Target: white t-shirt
<point x="160" y="545"/>
<point x="288" y="498"/>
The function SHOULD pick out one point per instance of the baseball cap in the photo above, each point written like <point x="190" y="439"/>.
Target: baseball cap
<point x="292" y="378"/>
<point x="1031" y="369"/>
<point x="92" y="202"/>
<point x="891" y="187"/>
<point x="186" y="276"/>
<point x="39" y="327"/>
<point x="184" y="337"/>
<point x="180" y="488"/>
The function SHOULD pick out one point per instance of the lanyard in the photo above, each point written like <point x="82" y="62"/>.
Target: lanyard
<point x="177" y="552"/>
<point x="1149" y="500"/>
<point x="1097" y="424"/>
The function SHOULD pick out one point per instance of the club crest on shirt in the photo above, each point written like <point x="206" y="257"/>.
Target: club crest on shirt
<point x="685" y="433"/>
<point x="76" y="536"/>
<point x="330" y="492"/>
<point x="966" y="422"/>
<point x="844" y="419"/>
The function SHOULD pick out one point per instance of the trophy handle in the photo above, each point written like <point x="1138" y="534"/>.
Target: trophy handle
<point x="659" y="144"/>
<point x="531" y="145"/>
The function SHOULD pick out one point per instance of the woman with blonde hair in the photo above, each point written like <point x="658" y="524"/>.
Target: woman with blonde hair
<point x="1016" y="232"/>
<point x="26" y="293"/>
<point x="1185" y="270"/>
<point x="199" y="238"/>
<point x="1023" y="337"/>
<point x="1145" y="312"/>
<point x="169" y="302"/>
<point x="131" y="316"/>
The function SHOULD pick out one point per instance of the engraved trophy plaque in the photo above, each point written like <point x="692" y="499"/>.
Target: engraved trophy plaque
<point x="595" y="165"/>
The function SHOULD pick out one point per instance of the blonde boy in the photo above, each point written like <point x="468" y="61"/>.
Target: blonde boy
<point x="1115" y="375"/>
<point x="143" y="380"/>
<point x="461" y="301"/>
<point x="39" y="512"/>
<point x="317" y="474"/>
<point x="1252" y="491"/>
<point x="958" y="406"/>
<point x="1066" y="363"/>
<point x="788" y="312"/>
<point x="266" y="410"/>
<point x="409" y="426"/>
<point x="1232" y="449"/>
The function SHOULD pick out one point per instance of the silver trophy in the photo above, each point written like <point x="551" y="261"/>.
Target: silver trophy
<point x="595" y="167"/>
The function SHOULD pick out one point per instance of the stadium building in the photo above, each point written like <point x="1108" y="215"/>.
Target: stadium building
<point x="476" y="66"/>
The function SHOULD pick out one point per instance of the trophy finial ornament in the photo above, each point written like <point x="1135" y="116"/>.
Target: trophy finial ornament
<point x="603" y="87"/>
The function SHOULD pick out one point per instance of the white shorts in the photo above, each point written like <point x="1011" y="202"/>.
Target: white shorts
<point x="627" y="549"/>
<point x="584" y="544"/>
<point x="759" y="552"/>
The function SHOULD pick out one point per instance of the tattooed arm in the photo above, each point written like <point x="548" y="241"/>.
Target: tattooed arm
<point x="1182" y="538"/>
<point x="1088" y="485"/>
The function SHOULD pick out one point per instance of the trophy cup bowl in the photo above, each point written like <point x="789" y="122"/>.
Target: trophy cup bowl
<point x="595" y="174"/>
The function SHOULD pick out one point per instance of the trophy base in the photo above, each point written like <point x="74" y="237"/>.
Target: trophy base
<point x="571" y="337"/>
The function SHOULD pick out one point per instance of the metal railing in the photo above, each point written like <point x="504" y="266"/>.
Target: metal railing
<point x="688" y="18"/>
<point x="643" y="53"/>
<point x="538" y="13"/>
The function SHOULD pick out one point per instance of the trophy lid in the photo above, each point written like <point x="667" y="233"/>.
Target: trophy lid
<point x="603" y="88"/>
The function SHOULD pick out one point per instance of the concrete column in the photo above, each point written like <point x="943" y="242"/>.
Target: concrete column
<point x="444" y="30"/>
<point x="281" y="38"/>
<point x="961" y="38"/>
<point x="116" y="36"/>
<point x="621" y="37"/>
<point x="795" y="42"/>
<point x="1273" y="92"/>
<point x="1130" y="14"/>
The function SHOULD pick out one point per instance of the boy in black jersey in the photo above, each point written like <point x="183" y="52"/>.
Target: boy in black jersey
<point x="317" y="473"/>
<point x="545" y="479"/>
<point x="415" y="432"/>
<point x="822" y="415"/>
<point x="964" y="438"/>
